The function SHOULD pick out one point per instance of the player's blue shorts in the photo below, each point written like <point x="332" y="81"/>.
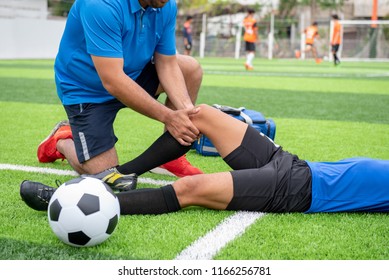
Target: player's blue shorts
<point x="92" y="123"/>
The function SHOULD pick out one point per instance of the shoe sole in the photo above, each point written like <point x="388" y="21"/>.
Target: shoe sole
<point x="162" y="171"/>
<point x="54" y="130"/>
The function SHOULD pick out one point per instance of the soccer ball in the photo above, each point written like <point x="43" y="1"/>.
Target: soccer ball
<point x="83" y="212"/>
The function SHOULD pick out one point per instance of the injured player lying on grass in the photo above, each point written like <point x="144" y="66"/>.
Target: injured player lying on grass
<point x="264" y="178"/>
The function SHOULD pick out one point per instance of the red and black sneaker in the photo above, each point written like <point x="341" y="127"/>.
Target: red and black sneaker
<point x="47" y="149"/>
<point x="180" y="167"/>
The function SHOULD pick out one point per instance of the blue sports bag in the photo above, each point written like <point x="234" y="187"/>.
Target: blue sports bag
<point x="256" y="119"/>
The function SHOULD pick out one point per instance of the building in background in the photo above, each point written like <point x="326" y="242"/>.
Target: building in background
<point x="27" y="30"/>
<point x="36" y="9"/>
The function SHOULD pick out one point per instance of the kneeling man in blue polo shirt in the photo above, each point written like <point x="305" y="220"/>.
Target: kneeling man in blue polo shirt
<point x="116" y="54"/>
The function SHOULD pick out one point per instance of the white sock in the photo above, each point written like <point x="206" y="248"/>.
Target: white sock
<point x="250" y="58"/>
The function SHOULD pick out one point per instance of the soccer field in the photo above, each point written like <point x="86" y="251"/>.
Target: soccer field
<point x="322" y="112"/>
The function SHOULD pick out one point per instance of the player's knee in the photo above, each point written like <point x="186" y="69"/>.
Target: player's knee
<point x="202" y="116"/>
<point x="187" y="189"/>
<point x="204" y="108"/>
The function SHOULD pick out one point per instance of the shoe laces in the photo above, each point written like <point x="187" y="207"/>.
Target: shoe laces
<point x="58" y="183"/>
<point x="183" y="160"/>
<point x="45" y="193"/>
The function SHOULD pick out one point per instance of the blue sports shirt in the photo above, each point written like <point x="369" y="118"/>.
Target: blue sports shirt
<point x="350" y="185"/>
<point x="109" y="28"/>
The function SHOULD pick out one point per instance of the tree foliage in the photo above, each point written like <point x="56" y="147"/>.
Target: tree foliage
<point x="220" y="7"/>
<point x="60" y="7"/>
<point x="288" y="6"/>
<point x="213" y="8"/>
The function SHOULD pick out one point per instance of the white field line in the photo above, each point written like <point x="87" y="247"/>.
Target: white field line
<point x="290" y="74"/>
<point x="46" y="170"/>
<point x="206" y="247"/>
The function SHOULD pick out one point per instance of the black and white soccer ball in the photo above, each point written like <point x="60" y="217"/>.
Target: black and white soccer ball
<point x="83" y="212"/>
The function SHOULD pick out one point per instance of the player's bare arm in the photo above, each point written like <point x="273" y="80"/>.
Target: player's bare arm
<point x="133" y="96"/>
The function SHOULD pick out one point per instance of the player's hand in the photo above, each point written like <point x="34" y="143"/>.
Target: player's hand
<point x="181" y="127"/>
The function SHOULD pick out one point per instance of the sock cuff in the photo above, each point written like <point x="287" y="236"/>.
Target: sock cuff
<point x="170" y="197"/>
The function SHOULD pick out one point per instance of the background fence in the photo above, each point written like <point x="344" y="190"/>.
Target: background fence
<point x="39" y="38"/>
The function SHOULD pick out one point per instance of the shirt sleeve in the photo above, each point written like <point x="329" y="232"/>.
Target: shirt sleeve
<point x="102" y="25"/>
<point x="167" y="42"/>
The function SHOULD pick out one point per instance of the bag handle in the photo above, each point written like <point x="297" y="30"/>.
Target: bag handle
<point x="235" y="112"/>
<point x="246" y="118"/>
<point x="228" y="109"/>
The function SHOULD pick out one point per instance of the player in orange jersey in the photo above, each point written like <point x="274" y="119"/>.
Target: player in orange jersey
<point x="250" y="37"/>
<point x="336" y="39"/>
<point x="311" y="33"/>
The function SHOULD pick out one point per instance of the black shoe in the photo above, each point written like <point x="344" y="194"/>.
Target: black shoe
<point x="36" y="195"/>
<point x="116" y="180"/>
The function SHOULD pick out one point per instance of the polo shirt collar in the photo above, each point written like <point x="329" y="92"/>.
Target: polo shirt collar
<point x="135" y="7"/>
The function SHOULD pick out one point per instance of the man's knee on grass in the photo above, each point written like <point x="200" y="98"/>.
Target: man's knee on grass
<point x="190" y="67"/>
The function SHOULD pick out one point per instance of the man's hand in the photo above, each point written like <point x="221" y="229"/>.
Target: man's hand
<point x="181" y="127"/>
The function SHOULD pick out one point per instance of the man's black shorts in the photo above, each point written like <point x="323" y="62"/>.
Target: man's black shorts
<point x="92" y="123"/>
<point x="266" y="178"/>
<point x="250" y="47"/>
<point x="335" y="48"/>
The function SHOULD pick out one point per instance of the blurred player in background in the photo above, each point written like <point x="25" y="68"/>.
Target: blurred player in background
<point x="336" y="39"/>
<point x="250" y="38"/>
<point x="187" y="33"/>
<point x="311" y="34"/>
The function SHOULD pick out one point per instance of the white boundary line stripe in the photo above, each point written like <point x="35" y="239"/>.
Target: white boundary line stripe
<point x="290" y="74"/>
<point x="44" y="170"/>
<point x="54" y="171"/>
<point x="206" y="247"/>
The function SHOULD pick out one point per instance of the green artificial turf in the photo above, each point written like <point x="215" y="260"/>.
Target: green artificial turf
<point x="322" y="113"/>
